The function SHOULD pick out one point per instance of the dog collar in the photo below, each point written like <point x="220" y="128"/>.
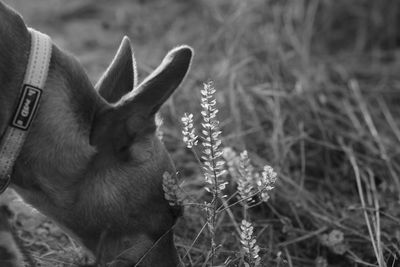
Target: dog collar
<point x="28" y="103"/>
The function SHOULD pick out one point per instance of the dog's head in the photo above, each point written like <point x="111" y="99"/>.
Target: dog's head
<point x="92" y="160"/>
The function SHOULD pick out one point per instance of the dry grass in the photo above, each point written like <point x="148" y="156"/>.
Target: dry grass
<point x="309" y="87"/>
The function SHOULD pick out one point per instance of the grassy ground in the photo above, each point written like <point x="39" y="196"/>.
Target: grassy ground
<point x="309" y="87"/>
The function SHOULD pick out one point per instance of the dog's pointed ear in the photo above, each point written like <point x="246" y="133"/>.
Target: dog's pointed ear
<point x="161" y="83"/>
<point x="121" y="76"/>
<point x="134" y="113"/>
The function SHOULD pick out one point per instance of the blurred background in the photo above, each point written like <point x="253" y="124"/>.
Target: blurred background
<point x="311" y="87"/>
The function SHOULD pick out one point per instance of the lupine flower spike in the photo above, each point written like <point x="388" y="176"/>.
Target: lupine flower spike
<point x="250" y="248"/>
<point x="213" y="165"/>
<point x="172" y="192"/>
<point x="251" y="183"/>
<point x="267" y="182"/>
<point x="247" y="180"/>
<point x="189" y="136"/>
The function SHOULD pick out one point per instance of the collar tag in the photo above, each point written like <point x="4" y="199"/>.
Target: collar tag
<point x="27" y="106"/>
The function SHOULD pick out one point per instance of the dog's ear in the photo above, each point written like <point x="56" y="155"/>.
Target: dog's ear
<point x="162" y="82"/>
<point x="121" y="76"/>
<point x="134" y="113"/>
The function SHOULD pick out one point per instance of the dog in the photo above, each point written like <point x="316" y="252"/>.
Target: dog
<point x="91" y="159"/>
